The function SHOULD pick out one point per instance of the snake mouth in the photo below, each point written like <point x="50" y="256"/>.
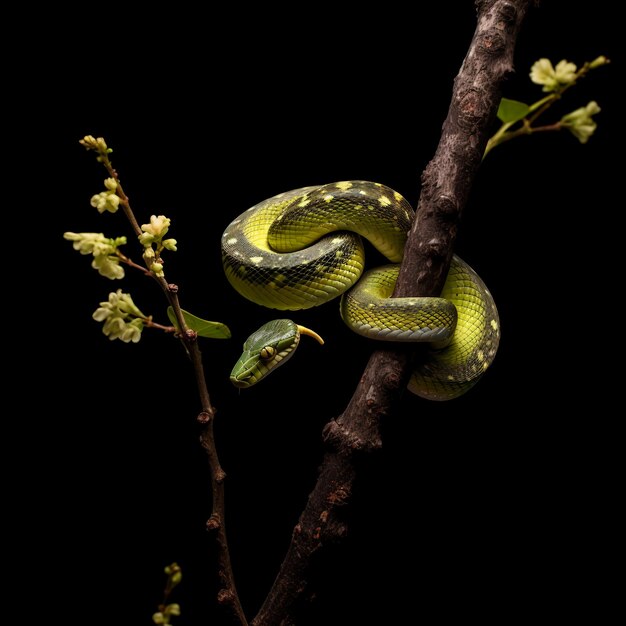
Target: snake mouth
<point x="241" y="383"/>
<point x="250" y="371"/>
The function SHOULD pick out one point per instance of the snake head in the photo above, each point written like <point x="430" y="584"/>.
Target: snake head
<point x="265" y="349"/>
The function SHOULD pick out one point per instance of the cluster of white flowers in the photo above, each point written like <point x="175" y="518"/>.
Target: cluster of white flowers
<point x="122" y="319"/>
<point x="103" y="249"/>
<point x="152" y="237"/>
<point x="580" y="122"/>
<point x="553" y="79"/>
<point x="107" y="200"/>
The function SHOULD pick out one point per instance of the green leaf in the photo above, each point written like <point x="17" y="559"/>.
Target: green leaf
<point x="204" y="328"/>
<point x="511" y="111"/>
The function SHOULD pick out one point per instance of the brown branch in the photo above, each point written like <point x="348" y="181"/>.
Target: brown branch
<point x="446" y="184"/>
<point x="227" y="595"/>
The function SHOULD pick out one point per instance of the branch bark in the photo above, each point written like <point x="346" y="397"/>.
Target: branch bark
<point x="446" y="185"/>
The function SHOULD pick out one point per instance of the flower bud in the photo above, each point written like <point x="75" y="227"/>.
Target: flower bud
<point x="580" y="122"/>
<point x="598" y="62"/>
<point x="172" y="609"/>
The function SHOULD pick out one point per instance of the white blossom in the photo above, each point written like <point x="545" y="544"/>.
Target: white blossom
<point x="103" y="249"/>
<point x="122" y="319"/>
<point x="581" y="123"/>
<point x="553" y="79"/>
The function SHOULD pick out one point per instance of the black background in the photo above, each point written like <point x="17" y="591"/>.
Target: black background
<point x="495" y="506"/>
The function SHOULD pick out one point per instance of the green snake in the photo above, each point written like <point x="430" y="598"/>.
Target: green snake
<point x="303" y="248"/>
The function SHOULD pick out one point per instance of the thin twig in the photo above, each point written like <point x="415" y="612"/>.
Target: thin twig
<point x="152" y="324"/>
<point x="142" y="268"/>
<point x="227" y="595"/>
<point x="447" y="182"/>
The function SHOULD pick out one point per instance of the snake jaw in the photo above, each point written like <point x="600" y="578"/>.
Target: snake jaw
<point x="252" y="367"/>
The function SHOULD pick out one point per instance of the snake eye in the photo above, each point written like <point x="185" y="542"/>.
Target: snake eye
<point x="267" y="353"/>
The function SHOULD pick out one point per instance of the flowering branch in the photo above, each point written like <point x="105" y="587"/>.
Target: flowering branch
<point x="518" y="118"/>
<point x="100" y="146"/>
<point x="124" y="320"/>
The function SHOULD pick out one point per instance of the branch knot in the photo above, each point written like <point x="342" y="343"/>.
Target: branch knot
<point x="471" y="109"/>
<point x="508" y="14"/>
<point x="492" y="42"/>
<point x="225" y="596"/>
<point x="204" y="417"/>
<point x="344" y="440"/>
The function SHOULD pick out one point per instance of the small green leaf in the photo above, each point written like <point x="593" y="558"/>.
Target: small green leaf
<point x="204" y="328"/>
<point x="511" y="111"/>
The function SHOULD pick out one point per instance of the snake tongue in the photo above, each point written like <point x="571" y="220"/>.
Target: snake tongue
<point x="303" y="330"/>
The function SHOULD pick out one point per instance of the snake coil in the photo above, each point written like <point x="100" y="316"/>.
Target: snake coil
<point x="302" y="248"/>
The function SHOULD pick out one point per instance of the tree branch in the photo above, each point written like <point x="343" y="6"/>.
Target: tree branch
<point x="227" y="595"/>
<point x="446" y="184"/>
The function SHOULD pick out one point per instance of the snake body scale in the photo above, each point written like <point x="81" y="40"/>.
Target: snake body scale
<point x="302" y="248"/>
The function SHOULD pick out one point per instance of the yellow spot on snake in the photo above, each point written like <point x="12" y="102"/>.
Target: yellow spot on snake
<point x="256" y="259"/>
<point x="336" y="240"/>
<point x="481" y="355"/>
<point x="339" y="253"/>
<point x="328" y="197"/>
<point x="398" y="197"/>
<point x="494" y="324"/>
<point x="378" y="184"/>
<point x="304" y="201"/>
<point x="363" y="192"/>
<point x="450" y="377"/>
<point x="384" y="200"/>
<point x="232" y="240"/>
<point x="346" y="184"/>
<point x="485" y="365"/>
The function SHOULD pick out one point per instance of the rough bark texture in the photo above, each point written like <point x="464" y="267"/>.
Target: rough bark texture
<point x="446" y="184"/>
